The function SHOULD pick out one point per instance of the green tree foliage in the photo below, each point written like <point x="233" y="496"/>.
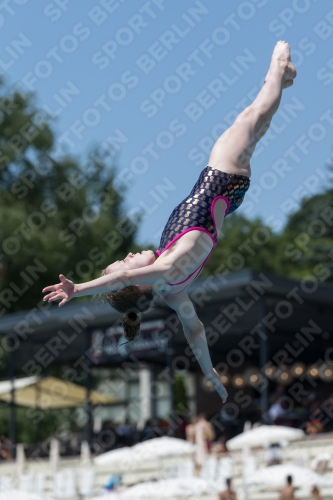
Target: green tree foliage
<point x="58" y="214"/>
<point x="303" y="249"/>
<point x="245" y="244"/>
<point x="34" y="425"/>
<point x="309" y="233"/>
<point x="181" y="400"/>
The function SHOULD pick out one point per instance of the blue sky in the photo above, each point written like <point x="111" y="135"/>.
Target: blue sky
<point x="159" y="80"/>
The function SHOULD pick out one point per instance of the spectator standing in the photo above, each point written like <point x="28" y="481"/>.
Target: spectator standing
<point x="315" y="423"/>
<point x="287" y="493"/>
<point x="316" y="493"/>
<point x="204" y="434"/>
<point x="151" y="430"/>
<point x="125" y="432"/>
<point x="190" y="430"/>
<point x="279" y="411"/>
<point x="279" y="392"/>
<point x="229" y="493"/>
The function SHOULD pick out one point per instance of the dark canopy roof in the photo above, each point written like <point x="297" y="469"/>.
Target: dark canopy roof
<point x="231" y="305"/>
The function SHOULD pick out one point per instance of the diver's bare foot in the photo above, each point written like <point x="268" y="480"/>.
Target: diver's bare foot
<point x="281" y="56"/>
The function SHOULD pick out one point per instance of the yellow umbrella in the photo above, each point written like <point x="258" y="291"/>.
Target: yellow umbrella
<point x="50" y="392"/>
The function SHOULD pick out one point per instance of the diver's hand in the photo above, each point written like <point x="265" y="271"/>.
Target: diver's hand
<point x="64" y="291"/>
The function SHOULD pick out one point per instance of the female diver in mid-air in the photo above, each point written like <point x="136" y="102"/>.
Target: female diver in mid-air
<point x="193" y="228"/>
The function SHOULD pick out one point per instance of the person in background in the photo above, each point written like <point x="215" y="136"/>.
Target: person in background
<point x="229" y="493"/>
<point x="274" y="455"/>
<point x="207" y="429"/>
<point x="287" y="493"/>
<point x="5" y="448"/>
<point x="315" y="424"/>
<point x="190" y="430"/>
<point x="220" y="447"/>
<point x="279" y="411"/>
<point x="107" y="437"/>
<point x="112" y="483"/>
<point x="279" y="392"/>
<point x="166" y="427"/>
<point x="316" y="493"/>
<point x="151" y="430"/>
<point x="204" y="435"/>
<point x="125" y="432"/>
<point x="181" y="424"/>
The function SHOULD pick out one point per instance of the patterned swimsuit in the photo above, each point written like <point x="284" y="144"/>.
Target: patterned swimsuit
<point x="196" y="212"/>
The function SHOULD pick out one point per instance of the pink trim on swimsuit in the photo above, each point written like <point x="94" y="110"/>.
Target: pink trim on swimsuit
<point x="202" y="265"/>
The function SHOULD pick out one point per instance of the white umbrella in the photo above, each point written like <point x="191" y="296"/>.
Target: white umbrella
<point x="276" y="475"/>
<point x="167" y="488"/>
<point x="151" y="449"/>
<point x="265" y="434"/>
<point x="113" y="457"/>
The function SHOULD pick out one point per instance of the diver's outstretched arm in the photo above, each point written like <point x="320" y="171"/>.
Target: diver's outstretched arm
<point x="66" y="289"/>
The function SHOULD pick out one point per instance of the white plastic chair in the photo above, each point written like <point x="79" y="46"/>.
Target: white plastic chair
<point x="26" y="483"/>
<point x="320" y="462"/>
<point x="170" y="472"/>
<point x="225" y="469"/>
<point x="64" y="484"/>
<point x="209" y="469"/>
<point x="86" y="485"/>
<point x="39" y="483"/>
<point x="5" y="483"/>
<point x="186" y="469"/>
<point x="250" y="466"/>
<point x="300" y="461"/>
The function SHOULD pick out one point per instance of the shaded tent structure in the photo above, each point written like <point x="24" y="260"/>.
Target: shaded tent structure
<point x="46" y="393"/>
<point x="255" y="323"/>
<point x="49" y="393"/>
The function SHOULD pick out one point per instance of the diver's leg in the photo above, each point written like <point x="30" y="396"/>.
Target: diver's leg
<point x="233" y="150"/>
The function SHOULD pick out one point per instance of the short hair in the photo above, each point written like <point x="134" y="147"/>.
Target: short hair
<point x="289" y="479"/>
